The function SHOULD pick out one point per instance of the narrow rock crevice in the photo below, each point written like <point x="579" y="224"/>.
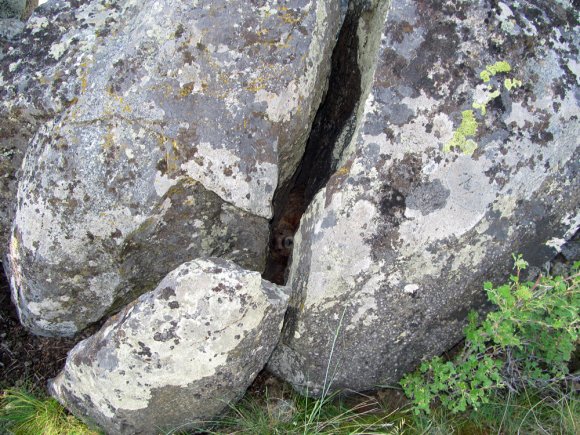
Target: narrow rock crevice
<point x="332" y="129"/>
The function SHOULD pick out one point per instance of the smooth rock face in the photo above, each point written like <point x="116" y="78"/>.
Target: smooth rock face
<point x="177" y="355"/>
<point x="392" y="253"/>
<point x="161" y="137"/>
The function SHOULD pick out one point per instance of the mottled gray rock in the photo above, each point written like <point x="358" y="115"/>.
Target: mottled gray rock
<point x="178" y="355"/>
<point x="34" y="87"/>
<point x="12" y="14"/>
<point x="12" y="8"/>
<point x="9" y="28"/>
<point x="161" y="137"/>
<point x="392" y="253"/>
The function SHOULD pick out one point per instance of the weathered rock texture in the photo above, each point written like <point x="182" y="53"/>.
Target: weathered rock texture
<point x="20" y="9"/>
<point x="391" y="254"/>
<point x="179" y="354"/>
<point x="158" y="133"/>
<point x="9" y="29"/>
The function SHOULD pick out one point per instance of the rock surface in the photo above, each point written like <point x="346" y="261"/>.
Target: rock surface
<point x="155" y="132"/>
<point x="179" y="354"/>
<point x="9" y="29"/>
<point x="434" y="192"/>
<point x="11" y="8"/>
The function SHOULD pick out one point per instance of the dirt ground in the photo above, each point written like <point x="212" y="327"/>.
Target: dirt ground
<point x="26" y="358"/>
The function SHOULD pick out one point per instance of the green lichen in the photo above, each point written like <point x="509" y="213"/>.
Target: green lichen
<point x="483" y="106"/>
<point x="491" y="70"/>
<point x="461" y="138"/>
<point x="512" y="83"/>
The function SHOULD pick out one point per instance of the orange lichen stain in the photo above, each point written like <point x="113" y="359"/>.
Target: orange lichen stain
<point x="83" y="76"/>
<point x="290" y="18"/>
<point x="256" y="84"/>
<point x="83" y="84"/>
<point x="224" y="78"/>
<point x="186" y="90"/>
<point x="407" y="27"/>
<point x="109" y="140"/>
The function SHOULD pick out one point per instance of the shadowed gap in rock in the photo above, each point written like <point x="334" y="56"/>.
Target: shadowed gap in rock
<point x="323" y="148"/>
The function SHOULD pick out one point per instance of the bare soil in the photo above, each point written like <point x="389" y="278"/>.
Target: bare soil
<point x="27" y="359"/>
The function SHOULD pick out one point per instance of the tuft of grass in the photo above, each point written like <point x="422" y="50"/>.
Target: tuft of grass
<point x="296" y="414"/>
<point x="301" y="415"/>
<point x="22" y="413"/>
<point x="531" y="412"/>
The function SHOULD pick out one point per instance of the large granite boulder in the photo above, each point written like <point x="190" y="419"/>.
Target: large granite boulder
<point x="467" y="150"/>
<point x="178" y="355"/>
<point x="155" y="132"/>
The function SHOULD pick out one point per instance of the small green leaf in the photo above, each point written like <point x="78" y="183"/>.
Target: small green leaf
<point x="524" y="293"/>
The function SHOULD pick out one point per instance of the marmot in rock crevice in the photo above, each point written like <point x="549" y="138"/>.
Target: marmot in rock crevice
<point x="282" y="236"/>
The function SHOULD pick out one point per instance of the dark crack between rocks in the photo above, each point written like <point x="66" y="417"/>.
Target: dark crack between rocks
<point x="332" y="129"/>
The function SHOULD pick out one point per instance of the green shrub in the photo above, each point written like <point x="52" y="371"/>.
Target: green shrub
<point x="526" y="343"/>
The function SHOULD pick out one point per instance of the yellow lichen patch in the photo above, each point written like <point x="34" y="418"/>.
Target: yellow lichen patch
<point x="171" y="160"/>
<point x="83" y="76"/>
<point x="342" y="171"/>
<point x="108" y="140"/>
<point x="256" y="84"/>
<point x="491" y="70"/>
<point x="186" y="89"/>
<point x="119" y="100"/>
<point x="512" y="83"/>
<point x="290" y="18"/>
<point x="124" y="106"/>
<point x="483" y="106"/>
<point x="83" y="84"/>
<point x="224" y="78"/>
<point x="72" y="102"/>
<point x="190" y="201"/>
<point x="461" y="138"/>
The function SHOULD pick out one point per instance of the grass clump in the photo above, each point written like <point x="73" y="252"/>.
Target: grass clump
<point x="291" y="413"/>
<point x="296" y="414"/>
<point x="526" y="344"/>
<point x="23" y="413"/>
<point x="529" y="412"/>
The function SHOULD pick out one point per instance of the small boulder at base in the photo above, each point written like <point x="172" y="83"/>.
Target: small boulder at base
<point x="178" y="355"/>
